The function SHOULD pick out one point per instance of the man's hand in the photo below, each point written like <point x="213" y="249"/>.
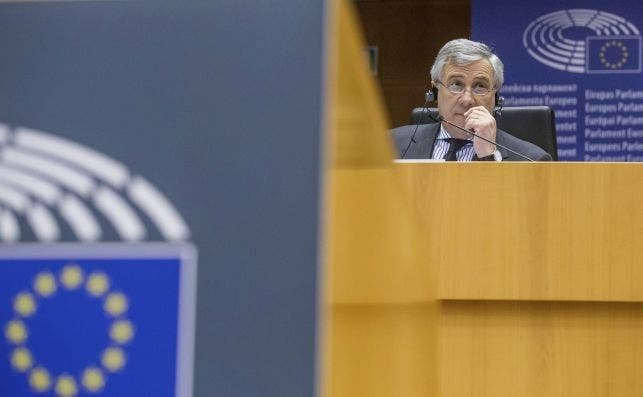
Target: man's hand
<point x="482" y="123"/>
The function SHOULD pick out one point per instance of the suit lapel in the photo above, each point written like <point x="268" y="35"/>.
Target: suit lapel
<point x="500" y="138"/>
<point x="425" y="140"/>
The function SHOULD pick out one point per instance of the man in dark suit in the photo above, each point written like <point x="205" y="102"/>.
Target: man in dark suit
<point x="465" y="78"/>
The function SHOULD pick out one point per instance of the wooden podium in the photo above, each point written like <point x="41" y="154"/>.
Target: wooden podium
<point x="540" y="276"/>
<point x="470" y="279"/>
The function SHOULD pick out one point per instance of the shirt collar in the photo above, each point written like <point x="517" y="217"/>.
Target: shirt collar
<point x="444" y="134"/>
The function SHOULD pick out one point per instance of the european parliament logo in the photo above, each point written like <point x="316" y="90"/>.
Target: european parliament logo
<point x="97" y="278"/>
<point x="584" y="41"/>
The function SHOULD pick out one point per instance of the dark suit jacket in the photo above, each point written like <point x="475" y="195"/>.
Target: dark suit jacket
<point x="422" y="148"/>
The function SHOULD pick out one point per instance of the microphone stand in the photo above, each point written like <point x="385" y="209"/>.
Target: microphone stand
<point x="425" y="111"/>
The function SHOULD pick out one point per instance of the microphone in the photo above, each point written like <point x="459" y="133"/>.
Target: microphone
<point x="470" y="132"/>
<point x="425" y="111"/>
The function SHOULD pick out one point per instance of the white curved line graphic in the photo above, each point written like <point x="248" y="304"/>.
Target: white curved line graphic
<point x="612" y="19"/>
<point x="14" y="198"/>
<point x="9" y="228"/>
<point x="526" y="33"/>
<point x="534" y="34"/>
<point x="48" y="178"/>
<point x="577" y="61"/>
<point x="558" y="20"/>
<point x="558" y="51"/>
<point x="43" y="223"/>
<point x="127" y="223"/>
<point x="79" y="218"/>
<point x="576" y="69"/>
<point x="633" y="28"/>
<point x="158" y="208"/>
<point x="106" y="168"/>
<point x="564" y="42"/>
<point x="44" y="190"/>
<point x="551" y="55"/>
<point x="545" y="60"/>
<point x="581" y="18"/>
<point x="70" y="178"/>
<point x="602" y="22"/>
<point x="552" y="39"/>
<point x="541" y="36"/>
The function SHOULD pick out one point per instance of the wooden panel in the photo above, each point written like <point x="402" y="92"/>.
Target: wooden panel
<point x="408" y="34"/>
<point x="378" y="309"/>
<point x="382" y="350"/>
<point x="532" y="231"/>
<point x="570" y="349"/>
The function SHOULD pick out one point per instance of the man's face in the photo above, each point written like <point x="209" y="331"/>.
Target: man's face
<point x="452" y="106"/>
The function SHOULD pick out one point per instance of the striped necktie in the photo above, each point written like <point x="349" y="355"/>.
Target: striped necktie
<point x="454" y="146"/>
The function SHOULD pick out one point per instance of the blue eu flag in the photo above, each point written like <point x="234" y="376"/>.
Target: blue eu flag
<point x="613" y="54"/>
<point x="95" y="321"/>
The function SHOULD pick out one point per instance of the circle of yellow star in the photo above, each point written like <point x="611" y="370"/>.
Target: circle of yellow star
<point x="113" y="359"/>
<point x="24" y="304"/>
<point x="93" y="379"/>
<point x="71" y="277"/>
<point x="45" y="284"/>
<point x="39" y="379"/>
<point x="97" y="284"/>
<point x="21" y="359"/>
<point x="121" y="331"/>
<point x="16" y="332"/>
<point x="116" y="304"/>
<point x="617" y="63"/>
<point x="66" y="386"/>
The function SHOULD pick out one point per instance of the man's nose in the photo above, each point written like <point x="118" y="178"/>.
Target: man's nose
<point x="466" y="98"/>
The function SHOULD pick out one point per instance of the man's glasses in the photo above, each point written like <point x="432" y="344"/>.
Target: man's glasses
<point x="457" y="88"/>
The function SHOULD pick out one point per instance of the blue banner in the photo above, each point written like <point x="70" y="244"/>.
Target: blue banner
<point x="166" y="122"/>
<point x="583" y="60"/>
<point x="95" y="321"/>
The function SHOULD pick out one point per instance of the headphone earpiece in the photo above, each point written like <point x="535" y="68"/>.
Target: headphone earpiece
<point x="431" y="95"/>
<point x="500" y="101"/>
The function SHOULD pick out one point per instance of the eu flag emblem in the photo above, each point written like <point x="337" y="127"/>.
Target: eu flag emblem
<point x="613" y="54"/>
<point x="82" y="320"/>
